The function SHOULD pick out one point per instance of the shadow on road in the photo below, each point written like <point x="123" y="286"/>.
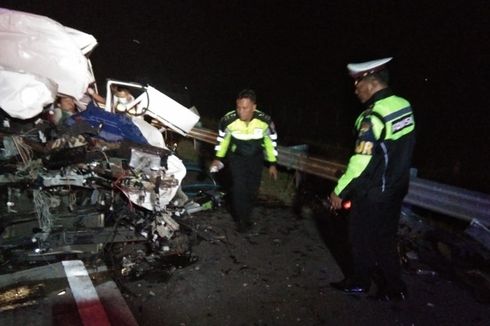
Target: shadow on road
<point x="332" y="226"/>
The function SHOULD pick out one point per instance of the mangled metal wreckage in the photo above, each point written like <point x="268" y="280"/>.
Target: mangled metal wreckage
<point x="72" y="184"/>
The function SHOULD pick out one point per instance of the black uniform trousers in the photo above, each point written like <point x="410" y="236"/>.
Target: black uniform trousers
<point x="373" y="228"/>
<point x="246" y="174"/>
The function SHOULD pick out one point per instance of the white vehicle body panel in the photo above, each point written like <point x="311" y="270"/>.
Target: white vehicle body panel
<point x="158" y="106"/>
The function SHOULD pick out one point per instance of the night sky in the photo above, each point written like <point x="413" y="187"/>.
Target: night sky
<point x="294" y="53"/>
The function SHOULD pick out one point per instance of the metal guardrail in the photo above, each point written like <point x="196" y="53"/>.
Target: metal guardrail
<point x="449" y="200"/>
<point x="441" y="198"/>
<point x="286" y="157"/>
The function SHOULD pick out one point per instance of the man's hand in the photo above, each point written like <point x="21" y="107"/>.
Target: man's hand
<point x="215" y="166"/>
<point x="273" y="172"/>
<point x="335" y="201"/>
<point x="95" y="96"/>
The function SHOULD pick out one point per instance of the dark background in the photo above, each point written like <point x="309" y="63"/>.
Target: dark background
<point x="294" y="53"/>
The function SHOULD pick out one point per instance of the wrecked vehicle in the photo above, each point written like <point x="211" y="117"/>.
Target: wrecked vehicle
<point x="73" y="182"/>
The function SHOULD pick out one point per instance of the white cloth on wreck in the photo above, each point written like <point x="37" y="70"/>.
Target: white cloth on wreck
<point x="24" y="95"/>
<point x="39" y="45"/>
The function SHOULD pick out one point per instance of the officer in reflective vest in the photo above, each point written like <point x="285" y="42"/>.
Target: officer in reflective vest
<point x="248" y="136"/>
<point x="375" y="181"/>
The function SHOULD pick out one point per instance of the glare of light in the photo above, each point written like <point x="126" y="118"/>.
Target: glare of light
<point x="25" y="55"/>
<point x="347" y="204"/>
<point x="29" y="96"/>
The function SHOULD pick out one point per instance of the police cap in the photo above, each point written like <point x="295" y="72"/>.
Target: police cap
<point x="363" y="69"/>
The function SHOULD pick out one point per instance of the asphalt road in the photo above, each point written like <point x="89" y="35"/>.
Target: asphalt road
<point x="279" y="274"/>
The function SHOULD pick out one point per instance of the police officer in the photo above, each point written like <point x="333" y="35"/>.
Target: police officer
<point x="375" y="181"/>
<point x="247" y="135"/>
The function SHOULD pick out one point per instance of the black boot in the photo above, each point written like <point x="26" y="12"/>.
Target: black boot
<point x="350" y="286"/>
<point x="390" y="295"/>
